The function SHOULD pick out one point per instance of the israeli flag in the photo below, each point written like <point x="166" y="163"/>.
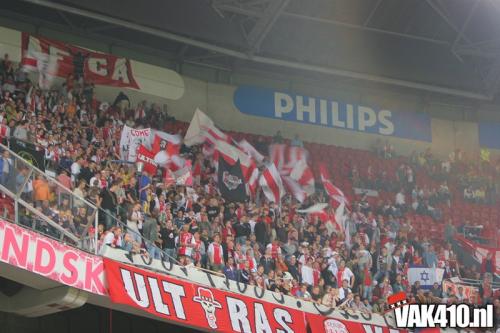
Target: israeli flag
<point x="426" y="276"/>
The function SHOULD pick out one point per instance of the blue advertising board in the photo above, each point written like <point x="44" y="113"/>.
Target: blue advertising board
<point x="332" y="113"/>
<point x="489" y="135"/>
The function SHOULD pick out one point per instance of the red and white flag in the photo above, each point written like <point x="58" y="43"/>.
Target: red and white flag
<point x="162" y="140"/>
<point x="277" y="154"/>
<point x="333" y="191"/>
<point x="303" y="175"/>
<point x="294" y="188"/>
<point x="271" y="184"/>
<point x="184" y="176"/>
<point x="296" y="154"/>
<point x="253" y="180"/>
<point x="168" y="177"/>
<point x="250" y="150"/>
<point x="201" y="129"/>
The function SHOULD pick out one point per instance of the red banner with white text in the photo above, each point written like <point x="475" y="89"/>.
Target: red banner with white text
<point x="322" y="324"/>
<point x="66" y="59"/>
<point x="194" y="305"/>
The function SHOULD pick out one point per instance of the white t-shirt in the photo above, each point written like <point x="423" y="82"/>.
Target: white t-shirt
<point x="347" y="274"/>
<point x="75" y="171"/>
<point x="109" y="238"/>
<point x="307" y="275"/>
<point x="400" y="199"/>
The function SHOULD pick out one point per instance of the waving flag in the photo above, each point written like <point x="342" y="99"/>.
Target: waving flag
<point x="250" y="150"/>
<point x="294" y="188"/>
<point x="253" y="180"/>
<point x="333" y="191"/>
<point x="296" y="154"/>
<point x="201" y="129"/>
<point x="162" y="140"/>
<point x="146" y="156"/>
<point x="271" y="184"/>
<point x="277" y="155"/>
<point x="303" y="175"/>
<point x="231" y="181"/>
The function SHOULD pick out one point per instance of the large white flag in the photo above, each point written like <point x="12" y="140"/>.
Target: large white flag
<point x="202" y="128"/>
<point x="131" y="140"/>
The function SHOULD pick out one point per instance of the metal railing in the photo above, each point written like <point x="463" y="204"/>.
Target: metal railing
<point x="42" y="202"/>
<point x="39" y="198"/>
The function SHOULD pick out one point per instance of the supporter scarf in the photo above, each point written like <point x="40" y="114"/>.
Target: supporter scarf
<point x="316" y="276"/>
<point x="274" y="250"/>
<point x="251" y="262"/>
<point x="185" y="238"/>
<point x="217" y="254"/>
<point x="340" y="272"/>
<point x="196" y="249"/>
<point x="3" y="131"/>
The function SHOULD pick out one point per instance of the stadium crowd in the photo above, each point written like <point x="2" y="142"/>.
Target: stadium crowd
<point x="256" y="242"/>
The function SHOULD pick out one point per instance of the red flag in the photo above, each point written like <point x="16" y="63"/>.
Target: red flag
<point x="147" y="157"/>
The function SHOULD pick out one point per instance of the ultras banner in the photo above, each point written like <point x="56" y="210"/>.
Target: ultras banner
<point x="194" y="305"/>
<point x="96" y="67"/>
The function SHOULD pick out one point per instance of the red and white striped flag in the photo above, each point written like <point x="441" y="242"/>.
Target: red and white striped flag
<point x="333" y="191"/>
<point x="250" y="150"/>
<point x="271" y="184"/>
<point x="303" y="175"/>
<point x="294" y="188"/>
<point x="253" y="180"/>
<point x="201" y="129"/>
<point x="277" y="154"/>
<point x="296" y="154"/>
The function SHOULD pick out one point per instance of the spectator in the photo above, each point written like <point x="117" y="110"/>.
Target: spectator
<point x="296" y="142"/>
<point x="229" y="271"/>
<point x="150" y="233"/>
<point x="277" y="138"/>
<point x="6" y="166"/>
<point x="216" y="255"/>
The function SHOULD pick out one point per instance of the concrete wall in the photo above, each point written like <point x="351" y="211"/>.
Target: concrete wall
<point x="87" y="319"/>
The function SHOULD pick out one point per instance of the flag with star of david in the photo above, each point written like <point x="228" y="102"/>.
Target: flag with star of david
<point x="426" y="276"/>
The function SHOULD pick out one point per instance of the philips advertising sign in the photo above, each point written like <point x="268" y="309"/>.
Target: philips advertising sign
<point x="489" y="135"/>
<point x="332" y="113"/>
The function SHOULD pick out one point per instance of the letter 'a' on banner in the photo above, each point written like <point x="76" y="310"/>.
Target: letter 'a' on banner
<point x="65" y="59"/>
<point x="197" y="306"/>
